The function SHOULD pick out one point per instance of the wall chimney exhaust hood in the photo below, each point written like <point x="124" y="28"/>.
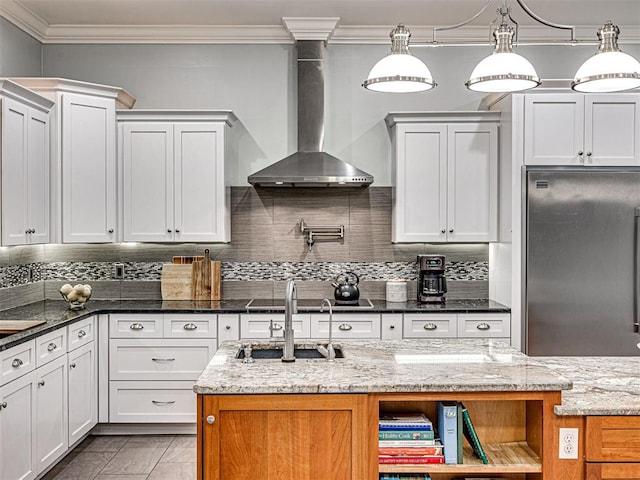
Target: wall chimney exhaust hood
<point x="310" y="166"/>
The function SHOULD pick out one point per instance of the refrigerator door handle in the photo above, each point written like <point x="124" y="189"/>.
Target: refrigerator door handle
<point x="636" y="271"/>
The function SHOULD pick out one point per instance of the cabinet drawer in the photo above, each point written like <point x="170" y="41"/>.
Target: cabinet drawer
<point x="429" y="326"/>
<point x="613" y="439"/>
<point x="391" y="326"/>
<point x="81" y="333"/>
<point x="135" y="326"/>
<point x="51" y="346"/>
<point x="152" y="402"/>
<point x="228" y="327"/>
<point x="190" y="326"/>
<point x="612" y="471"/>
<point x="257" y="325"/>
<point x="17" y="361"/>
<point x="163" y="359"/>
<point x="479" y="325"/>
<point x="346" y="326"/>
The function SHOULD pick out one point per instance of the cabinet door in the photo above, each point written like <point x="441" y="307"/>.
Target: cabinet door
<point x="420" y="181"/>
<point x="553" y="129"/>
<point x="200" y="205"/>
<point x="612" y="129"/>
<point x="51" y="412"/>
<point x="472" y="183"/>
<point x="83" y="392"/>
<point x="37" y="177"/>
<point x="14" y="158"/>
<point x="17" y="429"/>
<point x="88" y="169"/>
<point x="147" y="157"/>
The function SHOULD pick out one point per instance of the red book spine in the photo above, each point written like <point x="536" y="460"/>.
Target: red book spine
<point x="404" y="459"/>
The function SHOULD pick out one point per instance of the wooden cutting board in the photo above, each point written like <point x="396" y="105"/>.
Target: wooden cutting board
<point x="175" y="283"/>
<point x="15" y="326"/>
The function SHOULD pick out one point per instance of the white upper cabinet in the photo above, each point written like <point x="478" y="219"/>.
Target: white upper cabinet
<point x="582" y="129"/>
<point x="25" y="165"/>
<point x="173" y="176"/>
<point x="83" y="157"/>
<point x="445" y="177"/>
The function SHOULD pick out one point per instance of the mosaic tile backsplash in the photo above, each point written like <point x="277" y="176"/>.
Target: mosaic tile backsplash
<point x="266" y="249"/>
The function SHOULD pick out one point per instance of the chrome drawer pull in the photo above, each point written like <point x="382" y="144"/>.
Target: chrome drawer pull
<point x="430" y="326"/>
<point x="276" y="327"/>
<point x="73" y="365"/>
<point x="4" y="405"/>
<point x="17" y="363"/>
<point x="136" y="326"/>
<point x="163" y="360"/>
<point x="41" y="383"/>
<point x="227" y="327"/>
<point x="483" y="326"/>
<point x="51" y="347"/>
<point x="345" y="327"/>
<point x="158" y="402"/>
<point x="190" y="326"/>
<point x="211" y="419"/>
<point x="82" y="333"/>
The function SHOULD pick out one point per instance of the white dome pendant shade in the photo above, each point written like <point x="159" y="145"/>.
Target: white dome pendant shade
<point x="609" y="70"/>
<point x="503" y="70"/>
<point x="399" y="72"/>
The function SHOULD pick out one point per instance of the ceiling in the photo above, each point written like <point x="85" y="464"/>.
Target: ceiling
<point x="260" y="21"/>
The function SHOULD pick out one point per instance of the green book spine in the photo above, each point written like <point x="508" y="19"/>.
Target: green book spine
<point x="460" y="430"/>
<point x="406" y="435"/>
<point x="471" y="435"/>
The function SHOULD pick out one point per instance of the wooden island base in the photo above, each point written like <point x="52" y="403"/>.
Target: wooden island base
<point x="335" y="436"/>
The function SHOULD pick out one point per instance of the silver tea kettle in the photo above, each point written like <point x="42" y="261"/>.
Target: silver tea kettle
<point x="346" y="287"/>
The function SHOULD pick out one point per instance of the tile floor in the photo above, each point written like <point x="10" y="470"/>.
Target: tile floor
<point x="139" y="457"/>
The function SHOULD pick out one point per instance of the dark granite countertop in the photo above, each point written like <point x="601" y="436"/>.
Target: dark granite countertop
<point x="56" y="314"/>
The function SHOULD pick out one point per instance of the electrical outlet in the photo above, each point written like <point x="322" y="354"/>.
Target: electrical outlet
<point x="568" y="443"/>
<point x="118" y="271"/>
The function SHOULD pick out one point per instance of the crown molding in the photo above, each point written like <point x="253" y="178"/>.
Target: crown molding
<point x="24" y="19"/>
<point x="303" y="28"/>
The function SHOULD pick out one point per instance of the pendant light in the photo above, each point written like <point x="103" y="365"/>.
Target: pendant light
<point x="503" y="70"/>
<point x="609" y="70"/>
<point x="399" y="72"/>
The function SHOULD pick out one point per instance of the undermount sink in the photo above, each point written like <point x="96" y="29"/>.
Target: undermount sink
<point x="301" y="351"/>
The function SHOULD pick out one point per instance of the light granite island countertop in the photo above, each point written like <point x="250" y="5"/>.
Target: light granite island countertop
<point x="436" y="365"/>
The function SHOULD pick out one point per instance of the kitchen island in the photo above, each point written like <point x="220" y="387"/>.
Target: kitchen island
<point x="319" y="419"/>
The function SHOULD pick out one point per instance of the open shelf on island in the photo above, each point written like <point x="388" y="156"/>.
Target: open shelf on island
<point x="512" y="457"/>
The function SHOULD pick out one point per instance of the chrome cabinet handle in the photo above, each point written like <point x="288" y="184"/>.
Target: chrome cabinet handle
<point x="17" y="363"/>
<point x="483" y="326"/>
<point x="211" y="419"/>
<point x="51" y="347"/>
<point x="227" y="327"/>
<point x="33" y="230"/>
<point x="345" y="327"/>
<point x="190" y="326"/>
<point x="158" y="402"/>
<point x="110" y="230"/>
<point x="177" y="230"/>
<point x="580" y="153"/>
<point x="430" y="326"/>
<point x="589" y="154"/>
<point x="392" y="327"/>
<point x="276" y="326"/>
<point x="136" y="326"/>
<point x="169" y="230"/>
<point x="163" y="360"/>
<point x="41" y="383"/>
<point x="443" y="231"/>
<point x="451" y="230"/>
<point x="82" y="333"/>
<point x="3" y="405"/>
<point x="73" y="365"/>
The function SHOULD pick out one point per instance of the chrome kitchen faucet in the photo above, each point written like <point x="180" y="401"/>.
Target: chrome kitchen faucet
<point x="290" y="309"/>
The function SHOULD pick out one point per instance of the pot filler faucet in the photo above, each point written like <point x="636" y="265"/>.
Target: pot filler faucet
<point x="290" y="309"/>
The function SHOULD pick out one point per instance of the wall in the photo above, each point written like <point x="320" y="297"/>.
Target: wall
<point x="20" y="54"/>
<point x="257" y="82"/>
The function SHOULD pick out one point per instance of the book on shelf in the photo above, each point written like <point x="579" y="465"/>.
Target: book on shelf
<point x="471" y="435"/>
<point x="406" y="435"/>
<point x="448" y="430"/>
<point x="404" y="421"/>
<point x="434" y="450"/>
<point x="460" y="434"/>
<point x="405" y="476"/>
<point x="410" y="459"/>
<point x="406" y="443"/>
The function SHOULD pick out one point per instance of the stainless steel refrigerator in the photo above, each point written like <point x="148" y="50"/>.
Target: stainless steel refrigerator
<point x="582" y="261"/>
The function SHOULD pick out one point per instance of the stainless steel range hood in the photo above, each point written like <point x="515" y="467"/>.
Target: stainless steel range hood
<point x="310" y="166"/>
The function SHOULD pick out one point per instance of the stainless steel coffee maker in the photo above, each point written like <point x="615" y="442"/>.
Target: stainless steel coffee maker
<point x="432" y="284"/>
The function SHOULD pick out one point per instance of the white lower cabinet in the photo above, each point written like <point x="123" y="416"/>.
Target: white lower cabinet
<point x="83" y="391"/>
<point x="391" y="326"/>
<point x="346" y="325"/>
<point x="259" y="325"/>
<point x="18" y="459"/>
<point x="431" y="325"/>
<point x="460" y="325"/>
<point x="51" y="412"/>
<point x="152" y="402"/>
<point x="482" y="325"/>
